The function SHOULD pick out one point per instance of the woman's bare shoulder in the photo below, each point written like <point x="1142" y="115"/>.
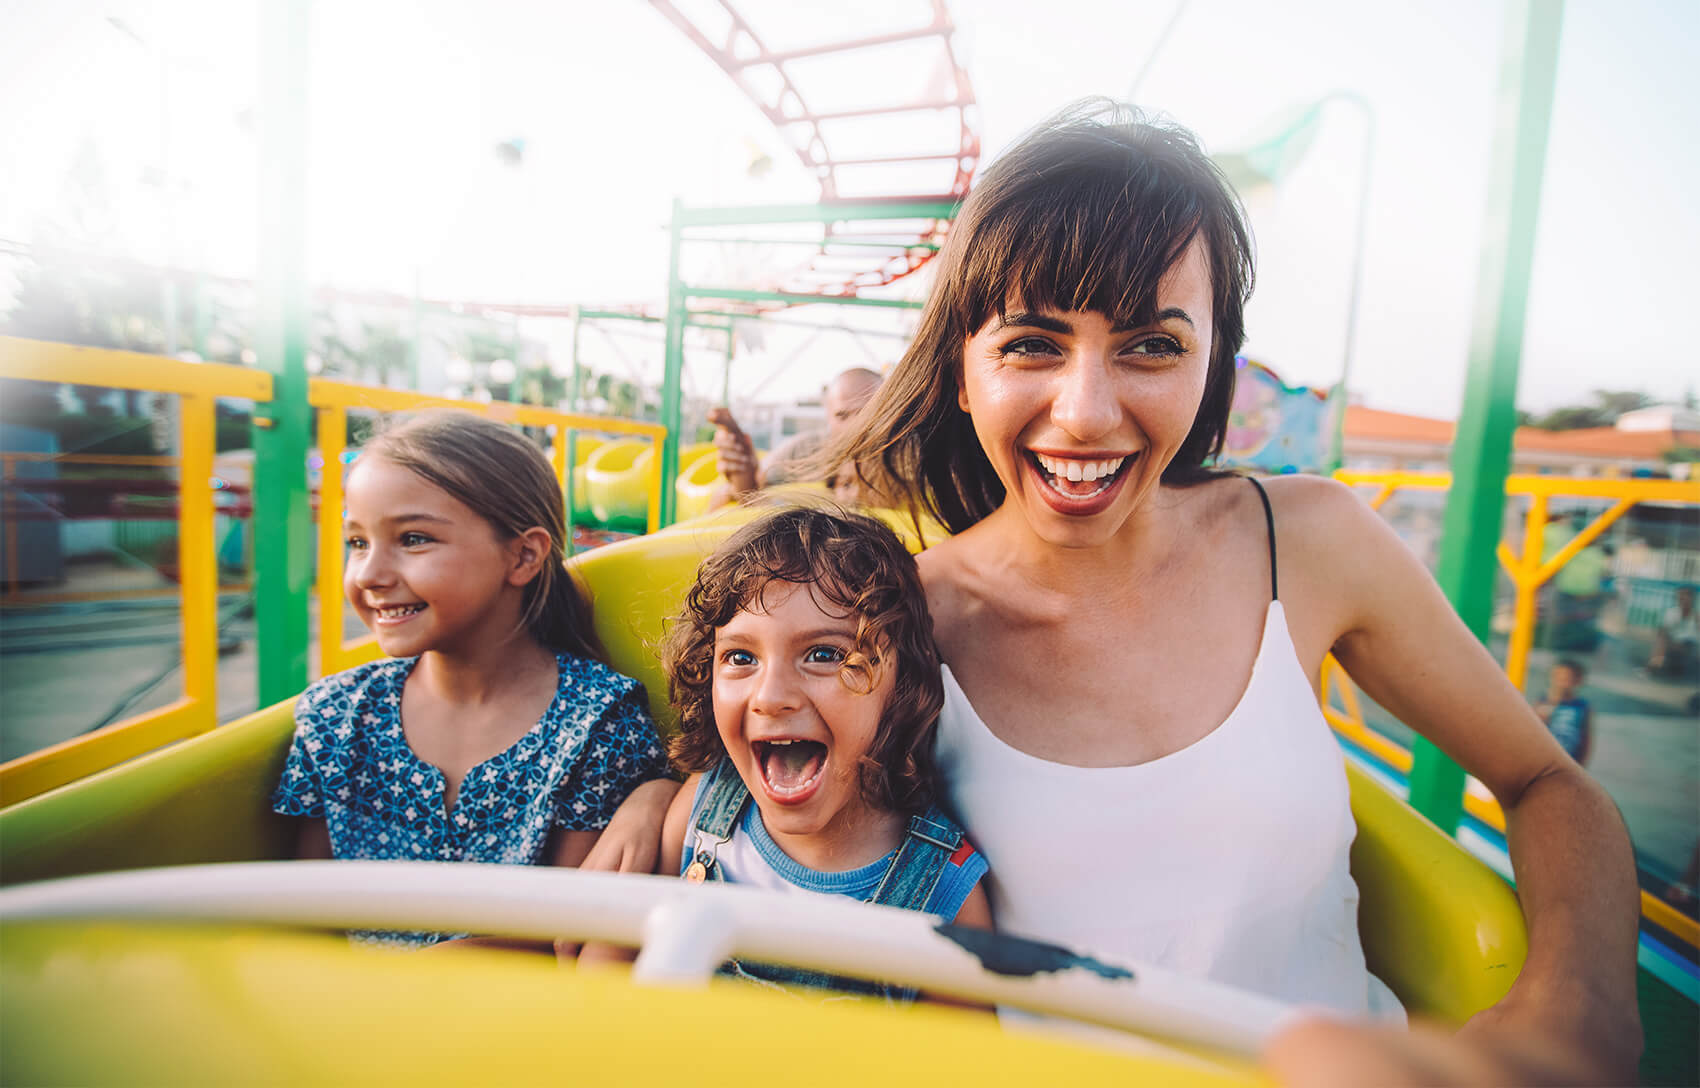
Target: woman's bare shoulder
<point x="943" y="568"/>
<point x="1323" y="518"/>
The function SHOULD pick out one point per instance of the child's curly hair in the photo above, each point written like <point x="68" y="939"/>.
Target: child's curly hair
<point x="855" y="563"/>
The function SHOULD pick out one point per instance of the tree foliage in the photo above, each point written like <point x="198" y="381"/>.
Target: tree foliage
<point x="1602" y="411"/>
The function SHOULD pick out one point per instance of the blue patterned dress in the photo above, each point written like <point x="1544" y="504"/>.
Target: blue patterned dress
<point x="351" y="766"/>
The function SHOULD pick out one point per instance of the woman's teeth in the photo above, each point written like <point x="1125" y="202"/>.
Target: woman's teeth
<point x="1079" y="471"/>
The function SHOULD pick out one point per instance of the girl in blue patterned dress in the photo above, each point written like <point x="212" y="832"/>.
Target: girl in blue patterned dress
<point x="491" y="732"/>
<point x="807" y="686"/>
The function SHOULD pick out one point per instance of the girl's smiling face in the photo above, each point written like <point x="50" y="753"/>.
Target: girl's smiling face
<point x="793" y="727"/>
<point x="424" y="571"/>
<point x="1079" y="417"/>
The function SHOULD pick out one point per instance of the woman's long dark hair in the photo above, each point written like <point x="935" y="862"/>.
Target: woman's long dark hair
<point x="1086" y="212"/>
<point x="505" y="479"/>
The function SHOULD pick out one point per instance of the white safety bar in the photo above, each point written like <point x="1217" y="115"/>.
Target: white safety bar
<point x="685" y="930"/>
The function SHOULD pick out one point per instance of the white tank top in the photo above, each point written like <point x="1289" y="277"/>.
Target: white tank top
<point x="1226" y="859"/>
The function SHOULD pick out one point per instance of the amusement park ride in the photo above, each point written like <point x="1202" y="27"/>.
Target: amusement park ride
<point x="213" y="1000"/>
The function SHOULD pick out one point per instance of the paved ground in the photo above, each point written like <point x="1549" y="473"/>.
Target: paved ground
<point x="1646" y="746"/>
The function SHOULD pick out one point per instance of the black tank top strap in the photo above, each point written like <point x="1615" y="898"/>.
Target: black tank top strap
<point x="1268" y="516"/>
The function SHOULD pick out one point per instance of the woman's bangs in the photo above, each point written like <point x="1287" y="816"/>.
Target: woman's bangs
<point x="1099" y="251"/>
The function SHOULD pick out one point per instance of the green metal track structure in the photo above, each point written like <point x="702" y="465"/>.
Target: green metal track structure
<point x="1481" y="454"/>
<point x="680" y="293"/>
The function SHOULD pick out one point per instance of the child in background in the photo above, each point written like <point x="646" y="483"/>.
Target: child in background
<point x="1566" y="713"/>
<point x="491" y="733"/>
<point x="806" y="680"/>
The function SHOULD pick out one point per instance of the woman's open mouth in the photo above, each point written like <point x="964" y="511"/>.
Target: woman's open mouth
<point x="1079" y="486"/>
<point x="791" y="769"/>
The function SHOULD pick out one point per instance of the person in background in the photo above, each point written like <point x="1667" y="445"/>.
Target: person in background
<point x="1676" y="644"/>
<point x="1568" y="716"/>
<point x="843" y="400"/>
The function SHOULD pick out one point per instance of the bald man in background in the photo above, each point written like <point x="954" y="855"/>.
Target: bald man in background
<point x="844" y="398"/>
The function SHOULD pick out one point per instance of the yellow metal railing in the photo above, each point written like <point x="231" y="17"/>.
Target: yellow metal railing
<point x="332" y="400"/>
<point x="1528" y="573"/>
<point x="197" y="386"/>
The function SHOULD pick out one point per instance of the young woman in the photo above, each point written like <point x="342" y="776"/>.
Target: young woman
<point x="1132" y="641"/>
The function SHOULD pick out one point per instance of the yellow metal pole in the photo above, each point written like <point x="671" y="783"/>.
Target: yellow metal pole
<point x="1573" y="547"/>
<point x="655" y="468"/>
<point x="558" y="456"/>
<point x="1528" y="585"/>
<point x="196" y="555"/>
<point x="333" y="440"/>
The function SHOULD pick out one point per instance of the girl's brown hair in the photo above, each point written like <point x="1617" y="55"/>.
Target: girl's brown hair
<point x="1086" y="212"/>
<point x="847" y="561"/>
<point x="504" y="478"/>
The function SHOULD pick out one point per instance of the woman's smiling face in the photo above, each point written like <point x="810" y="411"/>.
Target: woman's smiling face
<point x="1079" y="417"/>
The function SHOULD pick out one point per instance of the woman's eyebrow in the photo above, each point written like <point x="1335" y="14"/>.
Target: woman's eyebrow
<point x="1025" y="320"/>
<point x="1162" y="315"/>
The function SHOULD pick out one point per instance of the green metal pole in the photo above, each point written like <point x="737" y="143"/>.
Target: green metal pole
<point x="726" y="375"/>
<point x="572" y="435"/>
<point x="675" y="364"/>
<point x="168" y="310"/>
<point x="513" y="332"/>
<point x="203" y="313"/>
<point x="1481" y="454"/>
<point x="283" y="518"/>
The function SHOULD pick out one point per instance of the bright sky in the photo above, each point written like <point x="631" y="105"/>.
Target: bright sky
<point x="621" y="114"/>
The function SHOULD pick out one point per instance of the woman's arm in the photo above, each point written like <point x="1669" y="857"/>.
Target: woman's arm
<point x="1401" y="641"/>
<point x="975" y="913"/>
<point x="675" y="827"/>
<point x="630" y="842"/>
<point x="666" y="864"/>
<point x="629" y="766"/>
<point x="313" y="840"/>
<point x="571" y="848"/>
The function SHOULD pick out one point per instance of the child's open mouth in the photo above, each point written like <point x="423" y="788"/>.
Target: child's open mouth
<point x="790" y="768"/>
<point x="397" y="613"/>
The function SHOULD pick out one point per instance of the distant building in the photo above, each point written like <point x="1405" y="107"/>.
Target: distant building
<point x="1377" y="440"/>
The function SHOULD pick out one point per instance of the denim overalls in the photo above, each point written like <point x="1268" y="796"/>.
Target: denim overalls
<point x="914" y="872"/>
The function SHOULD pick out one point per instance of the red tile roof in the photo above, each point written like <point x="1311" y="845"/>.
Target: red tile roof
<point x="1373" y="424"/>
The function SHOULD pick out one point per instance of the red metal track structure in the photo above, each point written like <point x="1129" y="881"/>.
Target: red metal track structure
<point x="771" y="80"/>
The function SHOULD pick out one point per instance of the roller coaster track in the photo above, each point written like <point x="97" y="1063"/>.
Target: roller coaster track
<point x="778" y="82"/>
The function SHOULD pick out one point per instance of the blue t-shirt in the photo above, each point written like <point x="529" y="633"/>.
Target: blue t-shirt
<point x="350" y="765"/>
<point x="962" y="871"/>
<point x="1570" y="725"/>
